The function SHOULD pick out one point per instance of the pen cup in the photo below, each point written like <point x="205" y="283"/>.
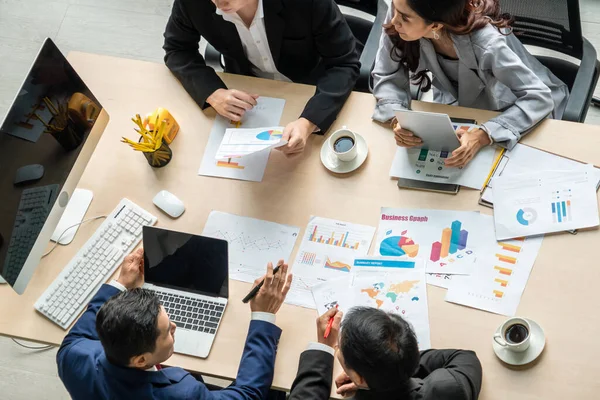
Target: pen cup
<point x="159" y="157"/>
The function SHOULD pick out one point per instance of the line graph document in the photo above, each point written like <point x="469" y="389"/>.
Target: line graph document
<point x="252" y="243"/>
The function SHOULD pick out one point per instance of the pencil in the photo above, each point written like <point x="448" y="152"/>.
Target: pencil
<point x="494" y="166"/>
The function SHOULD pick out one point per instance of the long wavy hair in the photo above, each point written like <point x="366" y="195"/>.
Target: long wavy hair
<point x="459" y="17"/>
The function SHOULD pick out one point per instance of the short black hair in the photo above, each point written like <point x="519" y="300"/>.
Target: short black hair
<point x="127" y="325"/>
<point x="381" y="347"/>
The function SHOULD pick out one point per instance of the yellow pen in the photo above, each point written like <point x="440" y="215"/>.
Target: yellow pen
<point x="494" y="166"/>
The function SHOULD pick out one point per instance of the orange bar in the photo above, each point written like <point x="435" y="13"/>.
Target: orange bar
<point x="229" y="165"/>
<point x="504" y="271"/>
<point x="498" y="294"/>
<point x="506" y="259"/>
<point x="502" y="282"/>
<point x="446" y="235"/>
<point x="568" y="202"/>
<point x="521" y="239"/>
<point x="510" y="247"/>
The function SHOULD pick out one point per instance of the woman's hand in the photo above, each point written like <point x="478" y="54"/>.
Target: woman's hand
<point x="470" y="143"/>
<point x="404" y="138"/>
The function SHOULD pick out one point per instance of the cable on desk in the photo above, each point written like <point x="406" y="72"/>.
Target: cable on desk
<point x="45" y="347"/>
<point x="70" y="227"/>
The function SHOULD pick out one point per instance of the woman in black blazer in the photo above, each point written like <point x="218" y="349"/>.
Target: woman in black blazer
<point x="309" y="42"/>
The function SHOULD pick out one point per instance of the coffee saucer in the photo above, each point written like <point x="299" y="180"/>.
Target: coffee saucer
<point x="536" y="346"/>
<point x="332" y="163"/>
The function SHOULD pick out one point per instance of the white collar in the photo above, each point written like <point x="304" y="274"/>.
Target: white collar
<point x="260" y="14"/>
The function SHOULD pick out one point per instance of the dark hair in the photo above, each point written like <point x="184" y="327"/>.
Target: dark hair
<point x="127" y="325"/>
<point x="459" y="17"/>
<point x="380" y="347"/>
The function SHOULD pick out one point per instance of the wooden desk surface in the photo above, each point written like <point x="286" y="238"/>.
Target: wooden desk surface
<point x="560" y="294"/>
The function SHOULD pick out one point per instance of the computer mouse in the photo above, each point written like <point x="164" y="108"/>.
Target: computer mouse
<point x="29" y="173"/>
<point x="169" y="203"/>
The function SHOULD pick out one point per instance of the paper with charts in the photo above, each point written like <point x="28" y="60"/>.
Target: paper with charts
<point x="238" y="142"/>
<point x="267" y="113"/>
<point x="252" y="243"/>
<point x="502" y="272"/>
<point x="428" y="165"/>
<point x="446" y="239"/>
<point x="333" y="293"/>
<point x="401" y="292"/>
<point x="327" y="250"/>
<point x="544" y="202"/>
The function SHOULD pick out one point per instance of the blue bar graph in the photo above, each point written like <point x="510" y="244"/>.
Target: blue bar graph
<point x="455" y="238"/>
<point x="564" y="209"/>
<point x="558" y="212"/>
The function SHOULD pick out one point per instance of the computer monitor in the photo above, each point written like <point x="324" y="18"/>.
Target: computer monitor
<point x="46" y="140"/>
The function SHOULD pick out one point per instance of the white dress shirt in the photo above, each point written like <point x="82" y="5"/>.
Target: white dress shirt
<point x="255" y="44"/>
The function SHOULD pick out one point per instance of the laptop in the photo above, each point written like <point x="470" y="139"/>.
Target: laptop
<point x="190" y="275"/>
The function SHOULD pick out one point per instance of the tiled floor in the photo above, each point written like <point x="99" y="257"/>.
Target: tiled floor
<point x="123" y="28"/>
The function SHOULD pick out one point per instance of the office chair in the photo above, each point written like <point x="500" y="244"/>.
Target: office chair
<point x="367" y="34"/>
<point x="556" y="25"/>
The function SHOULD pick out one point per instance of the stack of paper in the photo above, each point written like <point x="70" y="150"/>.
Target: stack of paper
<point x="544" y="202"/>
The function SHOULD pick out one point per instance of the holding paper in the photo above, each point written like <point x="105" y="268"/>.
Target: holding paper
<point x="238" y="143"/>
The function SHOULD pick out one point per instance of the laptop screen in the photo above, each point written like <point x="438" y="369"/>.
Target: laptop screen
<point x="186" y="262"/>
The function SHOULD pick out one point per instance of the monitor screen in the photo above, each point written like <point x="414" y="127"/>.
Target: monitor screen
<point x="184" y="261"/>
<point x="41" y="138"/>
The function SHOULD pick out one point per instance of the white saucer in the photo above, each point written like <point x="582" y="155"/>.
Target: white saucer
<point x="332" y="163"/>
<point x="536" y="346"/>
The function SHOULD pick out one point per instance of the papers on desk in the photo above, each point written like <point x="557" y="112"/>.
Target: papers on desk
<point x="523" y="159"/>
<point x="327" y="251"/>
<point x="503" y="269"/>
<point x="447" y="240"/>
<point x="251" y="167"/>
<point x="544" y="202"/>
<point x="252" y="243"/>
<point x="428" y="165"/>
<point x="238" y="143"/>
<point x="400" y="291"/>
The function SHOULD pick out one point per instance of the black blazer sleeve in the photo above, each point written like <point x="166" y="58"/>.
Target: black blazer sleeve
<point x="336" y="45"/>
<point x="456" y="373"/>
<point x="183" y="57"/>
<point x="314" y="377"/>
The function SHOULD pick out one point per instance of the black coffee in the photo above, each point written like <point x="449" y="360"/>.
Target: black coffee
<point x="516" y="334"/>
<point x="343" y="144"/>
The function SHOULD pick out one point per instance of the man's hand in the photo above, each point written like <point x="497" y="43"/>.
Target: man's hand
<point x="404" y="138"/>
<point x="271" y="295"/>
<point x="345" y="386"/>
<point x="323" y="321"/>
<point x="132" y="270"/>
<point x="470" y="143"/>
<point x="297" y="133"/>
<point x="232" y="104"/>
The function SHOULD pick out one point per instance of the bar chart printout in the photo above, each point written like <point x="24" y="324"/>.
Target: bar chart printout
<point x="499" y="280"/>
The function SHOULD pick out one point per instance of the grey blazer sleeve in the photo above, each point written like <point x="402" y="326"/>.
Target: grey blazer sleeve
<point x="314" y="377"/>
<point x="391" y="85"/>
<point x="454" y="374"/>
<point x="534" y="99"/>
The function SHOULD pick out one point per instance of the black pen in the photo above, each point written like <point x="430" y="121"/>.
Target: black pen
<point x="255" y="290"/>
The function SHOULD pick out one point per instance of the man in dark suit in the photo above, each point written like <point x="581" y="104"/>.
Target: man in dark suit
<point x="380" y="356"/>
<point x="115" y="349"/>
<point x="304" y="41"/>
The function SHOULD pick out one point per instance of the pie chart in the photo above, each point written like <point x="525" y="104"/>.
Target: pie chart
<point x="270" y="135"/>
<point x="396" y="246"/>
<point x="526" y="216"/>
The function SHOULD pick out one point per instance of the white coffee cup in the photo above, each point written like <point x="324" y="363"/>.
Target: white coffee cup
<point x="512" y="335"/>
<point x="348" y="154"/>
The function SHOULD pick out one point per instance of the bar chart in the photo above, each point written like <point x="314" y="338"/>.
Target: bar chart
<point x="333" y="239"/>
<point x="453" y="240"/>
<point x="308" y="258"/>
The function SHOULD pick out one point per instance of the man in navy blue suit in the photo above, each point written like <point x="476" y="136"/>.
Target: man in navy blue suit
<point x="115" y="349"/>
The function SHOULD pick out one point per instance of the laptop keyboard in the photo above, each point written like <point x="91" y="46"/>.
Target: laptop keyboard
<point x="192" y="313"/>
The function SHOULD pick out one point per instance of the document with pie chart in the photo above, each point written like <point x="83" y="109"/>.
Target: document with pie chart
<point x="238" y="143"/>
<point x="544" y="202"/>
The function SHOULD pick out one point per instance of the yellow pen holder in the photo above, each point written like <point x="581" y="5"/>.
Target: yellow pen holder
<point x="160" y="157"/>
<point x="165" y="117"/>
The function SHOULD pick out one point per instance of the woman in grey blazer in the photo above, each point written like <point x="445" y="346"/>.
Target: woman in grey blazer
<point x="475" y="60"/>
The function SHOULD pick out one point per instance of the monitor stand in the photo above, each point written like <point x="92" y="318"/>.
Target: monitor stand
<point x="73" y="215"/>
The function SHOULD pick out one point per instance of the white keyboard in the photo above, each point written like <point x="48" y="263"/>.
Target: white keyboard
<point x="94" y="263"/>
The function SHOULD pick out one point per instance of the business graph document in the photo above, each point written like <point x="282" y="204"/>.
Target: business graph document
<point x="252" y="243"/>
<point x="267" y="113"/>
<point x="402" y="292"/>
<point x="334" y="293"/>
<point x="544" y="202"/>
<point x="503" y="269"/>
<point x="239" y="142"/>
<point x="428" y="165"/>
<point x="327" y="251"/>
<point x="446" y="239"/>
